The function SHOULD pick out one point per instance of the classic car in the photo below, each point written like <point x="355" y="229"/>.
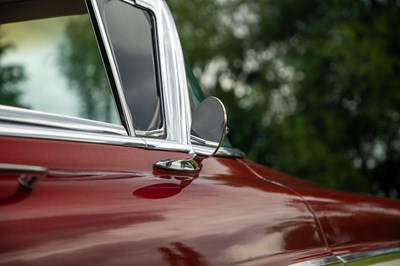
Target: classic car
<point x="111" y="155"/>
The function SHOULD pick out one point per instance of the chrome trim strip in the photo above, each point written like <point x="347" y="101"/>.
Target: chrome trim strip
<point x="28" y="131"/>
<point x="102" y="136"/>
<point x="20" y="115"/>
<point x="166" y="145"/>
<point x="368" y="254"/>
<point x="152" y="133"/>
<point x="331" y="260"/>
<point x="172" y="71"/>
<point x="27" y="123"/>
<point x="126" y="115"/>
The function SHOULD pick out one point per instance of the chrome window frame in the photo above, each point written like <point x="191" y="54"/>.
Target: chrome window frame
<point x="172" y="73"/>
<point x="110" y="60"/>
<point x="174" y="97"/>
<point x="18" y="115"/>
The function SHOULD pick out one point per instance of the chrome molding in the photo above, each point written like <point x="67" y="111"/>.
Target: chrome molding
<point x="166" y="145"/>
<point x="38" y="132"/>
<point x="19" y="115"/>
<point x="18" y="122"/>
<point x="172" y="71"/>
<point x="331" y="260"/>
<point x="21" y="130"/>
<point x="368" y="254"/>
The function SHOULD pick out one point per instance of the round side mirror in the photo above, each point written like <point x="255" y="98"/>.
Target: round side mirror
<point x="207" y="133"/>
<point x="208" y="128"/>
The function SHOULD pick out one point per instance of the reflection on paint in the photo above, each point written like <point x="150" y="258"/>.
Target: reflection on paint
<point x="179" y="254"/>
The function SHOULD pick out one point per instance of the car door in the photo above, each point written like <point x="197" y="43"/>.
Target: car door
<point x="80" y="140"/>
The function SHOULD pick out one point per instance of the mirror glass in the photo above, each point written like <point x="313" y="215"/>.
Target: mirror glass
<point x="208" y="127"/>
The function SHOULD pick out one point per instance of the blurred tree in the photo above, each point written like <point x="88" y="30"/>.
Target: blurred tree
<point x="317" y="83"/>
<point x="80" y="62"/>
<point x="10" y="77"/>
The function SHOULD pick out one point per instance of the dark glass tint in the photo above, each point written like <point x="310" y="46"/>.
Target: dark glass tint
<point x="130" y="31"/>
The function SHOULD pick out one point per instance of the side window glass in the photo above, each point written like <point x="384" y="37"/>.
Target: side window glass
<point x="196" y="95"/>
<point x="131" y="33"/>
<point x="51" y="63"/>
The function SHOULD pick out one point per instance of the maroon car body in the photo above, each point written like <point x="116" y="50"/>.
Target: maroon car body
<point x="105" y="203"/>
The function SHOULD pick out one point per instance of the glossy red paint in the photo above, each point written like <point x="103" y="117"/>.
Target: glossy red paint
<point x="353" y="222"/>
<point x="350" y="222"/>
<point x="104" y="204"/>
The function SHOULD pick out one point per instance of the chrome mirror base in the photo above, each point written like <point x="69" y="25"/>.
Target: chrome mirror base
<point x="209" y="129"/>
<point x="190" y="165"/>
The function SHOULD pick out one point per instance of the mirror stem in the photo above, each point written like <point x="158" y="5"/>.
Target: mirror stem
<point x="199" y="158"/>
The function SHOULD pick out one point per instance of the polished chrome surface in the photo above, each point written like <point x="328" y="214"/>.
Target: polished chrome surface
<point x="67" y="132"/>
<point x="167" y="145"/>
<point x="20" y="115"/>
<point x="368" y="254"/>
<point x="29" y="131"/>
<point x="191" y="165"/>
<point x="332" y="260"/>
<point x="28" y="175"/>
<point x="21" y="130"/>
<point x="172" y="70"/>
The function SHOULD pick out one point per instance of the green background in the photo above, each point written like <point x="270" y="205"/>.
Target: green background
<point x="312" y="88"/>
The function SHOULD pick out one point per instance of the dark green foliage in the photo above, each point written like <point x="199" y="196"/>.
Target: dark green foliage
<point x="80" y="62"/>
<point x="10" y="77"/>
<point x="312" y="88"/>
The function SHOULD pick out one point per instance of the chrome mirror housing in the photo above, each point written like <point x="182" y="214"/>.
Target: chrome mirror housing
<point x="207" y="133"/>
